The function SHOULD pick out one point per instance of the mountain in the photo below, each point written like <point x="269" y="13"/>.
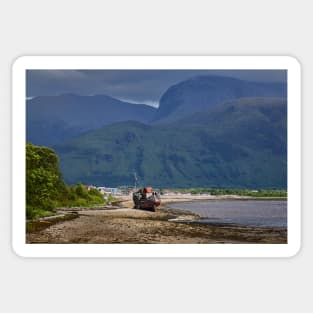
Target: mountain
<point x="54" y="119"/>
<point x="239" y="143"/>
<point x="199" y="93"/>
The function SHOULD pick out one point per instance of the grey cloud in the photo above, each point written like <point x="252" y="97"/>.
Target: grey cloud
<point x="141" y="86"/>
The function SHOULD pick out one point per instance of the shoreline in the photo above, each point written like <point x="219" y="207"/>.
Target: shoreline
<point x="123" y="224"/>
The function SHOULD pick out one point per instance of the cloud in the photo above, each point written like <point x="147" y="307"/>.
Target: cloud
<point x="139" y="86"/>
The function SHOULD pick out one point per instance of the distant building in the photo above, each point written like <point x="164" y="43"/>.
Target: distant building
<point x="126" y="190"/>
<point x="109" y="191"/>
<point x="90" y="187"/>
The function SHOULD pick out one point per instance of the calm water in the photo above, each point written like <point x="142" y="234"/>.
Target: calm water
<point x="261" y="213"/>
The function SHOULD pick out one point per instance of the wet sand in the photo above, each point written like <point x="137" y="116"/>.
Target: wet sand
<point x="120" y="223"/>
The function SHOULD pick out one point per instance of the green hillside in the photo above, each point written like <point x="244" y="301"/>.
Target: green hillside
<point x="241" y="143"/>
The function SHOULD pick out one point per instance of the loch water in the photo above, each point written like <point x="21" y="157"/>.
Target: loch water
<point x="257" y="213"/>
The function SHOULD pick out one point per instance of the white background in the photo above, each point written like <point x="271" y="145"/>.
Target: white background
<point x="163" y="28"/>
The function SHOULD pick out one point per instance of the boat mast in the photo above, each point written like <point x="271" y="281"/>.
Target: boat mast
<point x="136" y="180"/>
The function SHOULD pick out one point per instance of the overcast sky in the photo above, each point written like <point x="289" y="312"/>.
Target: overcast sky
<point x="140" y="86"/>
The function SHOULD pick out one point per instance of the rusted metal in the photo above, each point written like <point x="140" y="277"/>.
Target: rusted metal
<point x="146" y="199"/>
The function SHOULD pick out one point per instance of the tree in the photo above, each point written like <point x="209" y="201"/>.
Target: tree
<point x="43" y="178"/>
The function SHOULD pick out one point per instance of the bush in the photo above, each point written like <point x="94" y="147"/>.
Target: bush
<point x="110" y="199"/>
<point x="95" y="192"/>
<point x="81" y="191"/>
<point x="32" y="213"/>
<point x="44" y="185"/>
<point x="45" y="188"/>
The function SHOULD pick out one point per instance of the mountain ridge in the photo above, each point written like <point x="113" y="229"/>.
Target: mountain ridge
<point x="201" y="92"/>
<point x="209" y="131"/>
<point x="177" y="156"/>
<point x="54" y="119"/>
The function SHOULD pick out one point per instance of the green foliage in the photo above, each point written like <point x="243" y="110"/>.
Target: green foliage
<point x="33" y="213"/>
<point x="95" y="192"/>
<point x="110" y="199"/>
<point x="262" y="193"/>
<point x="45" y="189"/>
<point x="43" y="179"/>
<point x="81" y="192"/>
<point x="78" y="196"/>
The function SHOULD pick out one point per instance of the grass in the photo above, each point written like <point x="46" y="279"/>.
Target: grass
<point x="91" y="200"/>
<point x="35" y="213"/>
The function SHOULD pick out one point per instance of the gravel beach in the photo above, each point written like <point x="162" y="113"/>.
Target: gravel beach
<point x="123" y="224"/>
